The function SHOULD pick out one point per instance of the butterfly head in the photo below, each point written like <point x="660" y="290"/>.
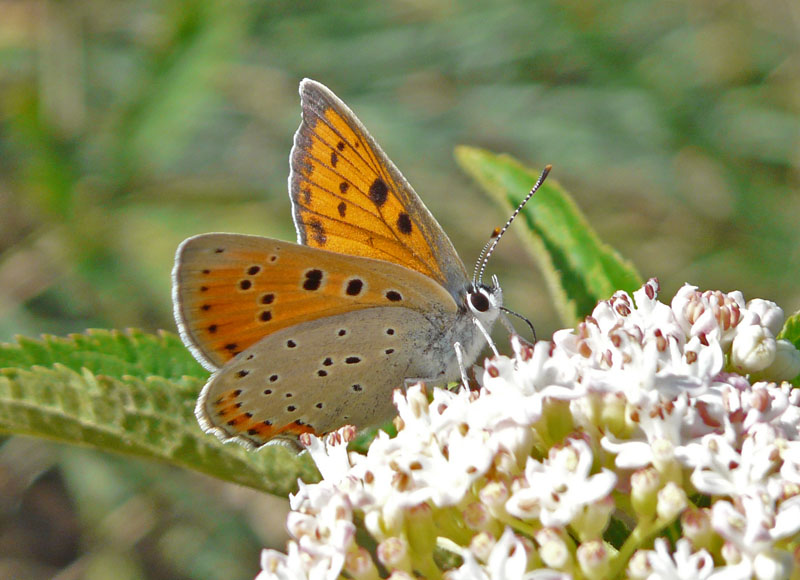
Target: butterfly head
<point x="484" y="301"/>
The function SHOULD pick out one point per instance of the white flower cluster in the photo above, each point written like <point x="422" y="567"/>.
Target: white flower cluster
<point x="577" y="458"/>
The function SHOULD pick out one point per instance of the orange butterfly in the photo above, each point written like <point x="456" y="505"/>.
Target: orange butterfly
<point x="308" y="337"/>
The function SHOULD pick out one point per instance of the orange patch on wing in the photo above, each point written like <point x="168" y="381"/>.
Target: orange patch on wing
<point x="236" y="290"/>
<point x="346" y="198"/>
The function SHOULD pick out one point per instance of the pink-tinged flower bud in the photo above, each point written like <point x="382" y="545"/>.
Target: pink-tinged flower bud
<point x="476" y="516"/>
<point x="753" y="349"/>
<point x="393" y="553"/>
<point x="731" y="554"/>
<point x="671" y="502"/>
<point x="594" y="559"/>
<point x="645" y="484"/>
<point x="771" y="314"/>
<point x="638" y="566"/>
<point x="696" y="525"/>
<point x="300" y="525"/>
<point x="359" y="565"/>
<point x="553" y="550"/>
<point x="494" y="496"/>
<point x="482" y="545"/>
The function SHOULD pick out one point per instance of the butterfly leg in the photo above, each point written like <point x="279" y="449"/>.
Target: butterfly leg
<point x="460" y="358"/>
<point x="486" y="335"/>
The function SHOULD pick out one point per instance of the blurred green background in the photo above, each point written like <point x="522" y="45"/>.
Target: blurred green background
<point x="127" y="126"/>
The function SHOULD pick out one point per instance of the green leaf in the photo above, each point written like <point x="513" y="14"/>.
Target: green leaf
<point x="791" y="332"/>
<point x="130" y="393"/>
<point x="108" y="352"/>
<point x="580" y="269"/>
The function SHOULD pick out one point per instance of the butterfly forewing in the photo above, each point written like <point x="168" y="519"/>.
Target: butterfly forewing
<point x="234" y="290"/>
<point x="316" y="376"/>
<point x="350" y="198"/>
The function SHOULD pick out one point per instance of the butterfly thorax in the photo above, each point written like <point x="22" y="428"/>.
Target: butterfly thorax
<point x="480" y="305"/>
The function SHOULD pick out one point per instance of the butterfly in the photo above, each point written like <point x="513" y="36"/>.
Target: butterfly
<point x="308" y="337"/>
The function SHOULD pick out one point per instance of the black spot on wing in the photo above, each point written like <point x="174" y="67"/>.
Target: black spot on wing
<point x="317" y="231"/>
<point x="404" y="223"/>
<point x="378" y="191"/>
<point x="394" y="296"/>
<point x="354" y="287"/>
<point x="313" y="280"/>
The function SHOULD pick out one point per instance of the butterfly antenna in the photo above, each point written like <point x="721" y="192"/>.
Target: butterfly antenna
<point x="480" y="266"/>
<point x="479" y="261"/>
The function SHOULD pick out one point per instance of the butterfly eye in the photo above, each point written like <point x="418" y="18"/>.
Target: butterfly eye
<point x="479" y="301"/>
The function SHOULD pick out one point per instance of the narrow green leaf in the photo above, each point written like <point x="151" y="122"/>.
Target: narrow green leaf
<point x="580" y="269"/>
<point x="130" y="393"/>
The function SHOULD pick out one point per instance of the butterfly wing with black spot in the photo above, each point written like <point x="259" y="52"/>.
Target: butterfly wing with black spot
<point x="317" y="376"/>
<point x="231" y="290"/>
<point x="349" y="197"/>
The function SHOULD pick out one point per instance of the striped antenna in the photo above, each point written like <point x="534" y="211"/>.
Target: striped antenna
<point x="488" y="249"/>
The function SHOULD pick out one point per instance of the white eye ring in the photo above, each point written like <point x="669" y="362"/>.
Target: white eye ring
<point x="479" y="301"/>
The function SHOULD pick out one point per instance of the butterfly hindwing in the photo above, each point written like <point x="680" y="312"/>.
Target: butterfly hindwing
<point x="231" y="290"/>
<point x="348" y="197"/>
<point x="315" y="376"/>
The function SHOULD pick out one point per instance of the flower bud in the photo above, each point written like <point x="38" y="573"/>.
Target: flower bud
<point x="594" y="559"/>
<point x="638" y="566"/>
<point x="696" y="524"/>
<point x="786" y="365"/>
<point x="553" y="550"/>
<point x="771" y="314"/>
<point x="476" y="516"/>
<point x="481" y="546"/>
<point x="753" y="349"/>
<point x="494" y="496"/>
<point x="359" y="565"/>
<point x="671" y="502"/>
<point x="645" y="484"/>
<point x="393" y="553"/>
